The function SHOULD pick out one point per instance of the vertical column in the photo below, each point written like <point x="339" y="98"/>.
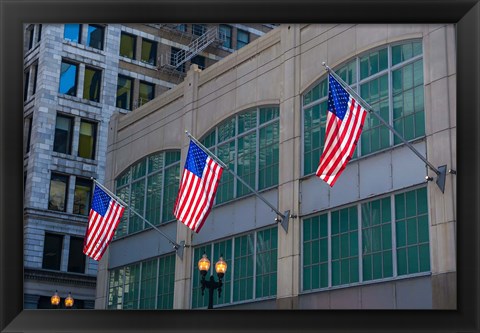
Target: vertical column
<point x="440" y="126"/>
<point x="80" y="79"/>
<point x="288" y="242"/>
<point x="183" y="267"/>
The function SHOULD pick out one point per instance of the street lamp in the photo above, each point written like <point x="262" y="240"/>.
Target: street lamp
<point x="211" y="285"/>
<point x="69" y="301"/>
<point x="55" y="299"/>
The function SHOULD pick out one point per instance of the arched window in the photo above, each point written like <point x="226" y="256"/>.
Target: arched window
<point x="248" y="144"/>
<point x="150" y="188"/>
<point x="390" y="79"/>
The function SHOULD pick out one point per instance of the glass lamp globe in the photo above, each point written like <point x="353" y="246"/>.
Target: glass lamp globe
<point x="221" y="267"/>
<point x="204" y="264"/>
<point x="55" y="299"/>
<point x="69" y="301"/>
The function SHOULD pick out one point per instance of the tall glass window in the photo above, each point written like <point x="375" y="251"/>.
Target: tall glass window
<point x="68" y="78"/>
<point x="76" y="258"/>
<point x="412" y="232"/>
<point x="226" y="35"/>
<point x="243" y="38"/>
<point x="95" y="36"/>
<point x="62" y="142"/>
<point x="124" y="92"/>
<point x="149" y="52"/>
<point x="252" y="272"/>
<point x="249" y="144"/>
<point x="52" y="251"/>
<point x="58" y="192"/>
<point x="145" y="285"/>
<point x="150" y="188"/>
<point x="127" y="45"/>
<point x="390" y="79"/>
<point x="92" y="83"/>
<point x="146" y="92"/>
<point x="82" y="196"/>
<point x="199" y="29"/>
<point x="26" y="82"/>
<point x="72" y="32"/>
<point x="87" y="139"/>
<point x="335" y="254"/>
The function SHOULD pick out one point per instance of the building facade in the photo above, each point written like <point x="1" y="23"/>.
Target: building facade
<point x="75" y="77"/>
<point x="382" y="238"/>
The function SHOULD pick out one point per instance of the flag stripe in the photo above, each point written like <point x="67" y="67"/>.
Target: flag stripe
<point x="198" y="188"/>
<point x="344" y="125"/>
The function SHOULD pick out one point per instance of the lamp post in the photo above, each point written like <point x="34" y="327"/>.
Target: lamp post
<point x="211" y="285"/>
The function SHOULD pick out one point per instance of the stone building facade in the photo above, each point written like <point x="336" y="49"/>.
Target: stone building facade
<point x="382" y="238"/>
<point x="76" y="76"/>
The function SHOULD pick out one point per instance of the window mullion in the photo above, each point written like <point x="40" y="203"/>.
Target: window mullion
<point x="360" y="243"/>
<point x="257" y="151"/>
<point x="139" y="285"/>
<point x="163" y="188"/>
<point x="254" y="294"/>
<point x="232" y="277"/>
<point x="329" y="233"/>
<point x="390" y="96"/>
<point x="394" y="238"/>
<point x="235" y="159"/>
<point x="156" y="283"/>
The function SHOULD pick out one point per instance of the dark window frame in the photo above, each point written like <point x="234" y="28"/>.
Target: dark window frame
<point x="58" y="261"/>
<point x="65" y="193"/>
<point x="77" y="256"/>
<point x="94" y="136"/>
<point x="153" y="50"/>
<point x="134" y="45"/>
<point x="88" y="183"/>
<point x="68" y="150"/>
<point x="128" y="107"/>
<point x="89" y="39"/>
<point x="98" y="86"/>
<point x="241" y="41"/>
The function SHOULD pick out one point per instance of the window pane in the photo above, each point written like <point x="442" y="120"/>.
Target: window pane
<point x="68" y="79"/>
<point x="52" y="251"/>
<point x="72" y="32"/>
<point x="146" y="92"/>
<point x="82" y="197"/>
<point x="149" y="52"/>
<point x="127" y="45"/>
<point x="76" y="258"/>
<point x="166" y="280"/>
<point x="124" y="92"/>
<point x="63" y="135"/>
<point x="95" y="36"/>
<point x="243" y="38"/>
<point x="58" y="192"/>
<point x="226" y="35"/>
<point x="86" y="142"/>
<point x="198" y="29"/>
<point x="91" y="88"/>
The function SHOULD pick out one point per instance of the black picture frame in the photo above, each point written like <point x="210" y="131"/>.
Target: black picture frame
<point x="464" y="13"/>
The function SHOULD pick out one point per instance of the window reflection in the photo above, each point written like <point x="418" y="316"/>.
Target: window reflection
<point x="86" y="141"/>
<point x="58" y="192"/>
<point x="149" y="51"/>
<point x="83" y="190"/>
<point x="68" y="79"/>
<point x="146" y="92"/>
<point x="124" y="92"/>
<point x="95" y="36"/>
<point x="72" y="32"/>
<point x="91" y="88"/>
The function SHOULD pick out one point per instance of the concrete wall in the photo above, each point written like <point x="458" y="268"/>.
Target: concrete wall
<point x="277" y="69"/>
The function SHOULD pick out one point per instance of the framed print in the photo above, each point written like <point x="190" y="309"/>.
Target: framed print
<point x="372" y="237"/>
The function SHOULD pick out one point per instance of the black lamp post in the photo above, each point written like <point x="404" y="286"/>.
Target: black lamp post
<point x="211" y="285"/>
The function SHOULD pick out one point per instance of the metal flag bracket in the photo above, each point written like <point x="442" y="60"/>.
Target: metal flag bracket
<point x="179" y="249"/>
<point x="441" y="176"/>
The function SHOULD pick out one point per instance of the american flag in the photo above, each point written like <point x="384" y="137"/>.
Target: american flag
<point x="197" y="189"/>
<point x="104" y="217"/>
<point x="345" y="120"/>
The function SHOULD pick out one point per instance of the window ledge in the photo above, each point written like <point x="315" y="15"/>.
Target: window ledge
<point x="138" y="62"/>
<point x="80" y="100"/>
<point x="367" y="283"/>
<point x="83" y="47"/>
<point x="74" y="158"/>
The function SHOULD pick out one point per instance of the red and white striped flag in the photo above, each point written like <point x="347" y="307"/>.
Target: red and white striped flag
<point x="345" y="120"/>
<point x="103" y="220"/>
<point x="197" y="189"/>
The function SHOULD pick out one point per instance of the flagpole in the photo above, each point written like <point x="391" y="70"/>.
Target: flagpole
<point x="284" y="217"/>
<point x="440" y="173"/>
<point x="176" y="246"/>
